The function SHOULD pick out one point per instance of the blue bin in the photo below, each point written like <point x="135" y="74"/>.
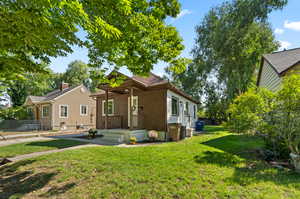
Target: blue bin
<point x="199" y="125"/>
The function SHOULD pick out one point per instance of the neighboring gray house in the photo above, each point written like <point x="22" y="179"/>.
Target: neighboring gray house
<point x="64" y="108"/>
<point x="276" y="65"/>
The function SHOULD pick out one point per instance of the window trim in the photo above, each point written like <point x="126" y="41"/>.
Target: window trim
<point x="80" y="109"/>
<point x="113" y="107"/>
<point x="47" y="105"/>
<point x="177" y="104"/>
<point x="186" y="107"/>
<point x="60" y="110"/>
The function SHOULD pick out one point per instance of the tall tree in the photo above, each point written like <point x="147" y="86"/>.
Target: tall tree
<point x="129" y="33"/>
<point x="77" y="73"/>
<point x="231" y="40"/>
<point x="32" y="84"/>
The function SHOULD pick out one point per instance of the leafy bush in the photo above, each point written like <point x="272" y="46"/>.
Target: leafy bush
<point x="14" y="113"/>
<point x="274" y="115"/>
<point x="245" y="112"/>
<point x="92" y="133"/>
<point x="133" y="140"/>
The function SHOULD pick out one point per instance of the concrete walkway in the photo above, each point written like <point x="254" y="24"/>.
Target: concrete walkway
<point x="32" y="155"/>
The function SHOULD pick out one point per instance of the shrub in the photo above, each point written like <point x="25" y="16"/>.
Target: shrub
<point x="133" y="140"/>
<point x="92" y="133"/>
<point x="14" y="113"/>
<point x="245" y="112"/>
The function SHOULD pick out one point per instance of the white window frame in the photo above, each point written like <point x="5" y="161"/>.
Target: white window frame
<point x="186" y="108"/>
<point x="177" y="104"/>
<point x="43" y="111"/>
<point x="60" y="110"/>
<point x="80" y="110"/>
<point x="113" y="107"/>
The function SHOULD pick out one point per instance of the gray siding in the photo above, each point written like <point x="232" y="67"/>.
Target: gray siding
<point x="269" y="78"/>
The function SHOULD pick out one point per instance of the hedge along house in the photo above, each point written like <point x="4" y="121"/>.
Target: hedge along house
<point x="148" y="103"/>
<point x="275" y="66"/>
<point x="64" y="108"/>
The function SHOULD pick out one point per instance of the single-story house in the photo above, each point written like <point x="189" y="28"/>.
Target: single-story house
<point x="63" y="108"/>
<point x="276" y="65"/>
<point x="149" y="103"/>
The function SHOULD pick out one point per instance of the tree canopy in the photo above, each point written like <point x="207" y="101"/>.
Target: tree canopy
<point x="230" y="41"/>
<point x="129" y="33"/>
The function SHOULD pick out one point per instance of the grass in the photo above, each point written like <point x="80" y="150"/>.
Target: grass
<point x="4" y="133"/>
<point x="31" y="147"/>
<point x="213" y="165"/>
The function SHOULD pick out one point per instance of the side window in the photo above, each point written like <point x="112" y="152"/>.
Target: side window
<point x="175" y="106"/>
<point x="187" y="108"/>
<point x="195" y="111"/>
<point x="83" y="109"/>
<point x="63" y="111"/>
<point x="45" y="110"/>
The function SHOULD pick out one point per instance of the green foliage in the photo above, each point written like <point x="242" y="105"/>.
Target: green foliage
<point x="215" y="104"/>
<point x="128" y="33"/>
<point x="78" y="73"/>
<point x="245" y="112"/>
<point x="230" y="42"/>
<point x="275" y="115"/>
<point x="14" y="113"/>
<point x="32" y="84"/>
<point x="92" y="133"/>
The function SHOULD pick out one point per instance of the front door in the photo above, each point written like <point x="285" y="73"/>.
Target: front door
<point x="135" y="104"/>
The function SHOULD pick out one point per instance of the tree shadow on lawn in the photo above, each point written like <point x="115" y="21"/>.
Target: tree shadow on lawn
<point x="15" y="183"/>
<point x="247" y="171"/>
<point x="240" y="153"/>
<point x="244" y="146"/>
<point x="59" y="144"/>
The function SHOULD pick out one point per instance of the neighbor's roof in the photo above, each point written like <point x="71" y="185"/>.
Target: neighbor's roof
<point x="51" y="95"/>
<point x="283" y="60"/>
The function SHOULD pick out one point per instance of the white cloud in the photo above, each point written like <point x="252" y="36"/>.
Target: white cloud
<point x="279" y="31"/>
<point x="284" y="45"/>
<point x="183" y="13"/>
<point x="292" y="25"/>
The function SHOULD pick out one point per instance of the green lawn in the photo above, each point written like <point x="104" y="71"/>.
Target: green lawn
<point x="213" y="165"/>
<point x="30" y="147"/>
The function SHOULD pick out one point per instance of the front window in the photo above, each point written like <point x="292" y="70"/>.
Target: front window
<point x="195" y="111"/>
<point x="110" y="108"/>
<point x="175" y="106"/>
<point x="83" y="109"/>
<point x="63" y="111"/>
<point x="45" y="111"/>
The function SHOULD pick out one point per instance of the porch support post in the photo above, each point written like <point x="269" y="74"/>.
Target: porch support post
<point x="106" y="109"/>
<point x="131" y="115"/>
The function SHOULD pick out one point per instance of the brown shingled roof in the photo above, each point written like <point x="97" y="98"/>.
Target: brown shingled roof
<point x="151" y="80"/>
<point x="283" y="60"/>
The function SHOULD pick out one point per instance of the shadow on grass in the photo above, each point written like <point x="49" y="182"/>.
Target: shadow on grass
<point x="15" y="183"/>
<point x="242" y="145"/>
<point x="59" y="144"/>
<point x="220" y="158"/>
<point x="240" y="153"/>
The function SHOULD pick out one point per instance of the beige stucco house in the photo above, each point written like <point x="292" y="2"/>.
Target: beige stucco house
<point x="275" y="66"/>
<point x="64" y="108"/>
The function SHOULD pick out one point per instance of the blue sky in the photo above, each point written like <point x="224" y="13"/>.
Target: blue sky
<point x="286" y="25"/>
